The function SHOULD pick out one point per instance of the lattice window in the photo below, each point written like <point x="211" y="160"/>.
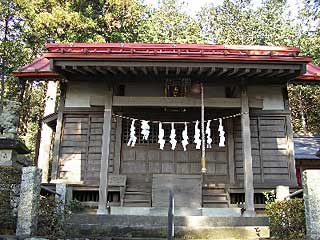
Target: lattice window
<point x="154" y="130"/>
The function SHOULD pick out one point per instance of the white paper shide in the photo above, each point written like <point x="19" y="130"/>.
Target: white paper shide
<point x="197" y="139"/>
<point x="221" y="134"/>
<point x="145" y="129"/>
<point x="185" y="137"/>
<point x="208" y="132"/>
<point x="133" y="138"/>
<point x="161" y="140"/>
<point x="173" y="140"/>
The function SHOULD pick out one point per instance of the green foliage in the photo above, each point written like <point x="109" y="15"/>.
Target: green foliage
<point x="31" y="114"/>
<point x="270" y="196"/>
<point x="81" y="21"/>
<point x="9" y="180"/>
<point x="51" y="220"/>
<point x="304" y="104"/>
<point x="287" y="219"/>
<point x="74" y="206"/>
<point x="239" y="23"/>
<point x="169" y="24"/>
<point x="26" y="24"/>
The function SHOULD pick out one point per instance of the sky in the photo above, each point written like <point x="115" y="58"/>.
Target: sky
<point x="195" y="5"/>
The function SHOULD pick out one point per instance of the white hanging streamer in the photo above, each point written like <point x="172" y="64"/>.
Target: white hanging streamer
<point x="161" y="136"/>
<point x="197" y="139"/>
<point x="221" y="134"/>
<point x="208" y="132"/>
<point x="185" y="137"/>
<point x="173" y="140"/>
<point x="133" y="138"/>
<point x="145" y="129"/>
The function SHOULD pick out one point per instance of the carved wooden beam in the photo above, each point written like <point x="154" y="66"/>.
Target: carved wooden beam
<point x="213" y="69"/>
<point x="80" y="70"/>
<point x="155" y="70"/>
<point x="133" y="71"/>
<point x="175" y="102"/>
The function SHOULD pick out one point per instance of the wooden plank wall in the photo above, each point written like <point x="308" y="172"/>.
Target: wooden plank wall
<point x="269" y="139"/>
<point x="80" y="150"/>
<point x="149" y="159"/>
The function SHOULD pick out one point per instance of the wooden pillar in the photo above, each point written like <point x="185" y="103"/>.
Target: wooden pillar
<point x="57" y="137"/>
<point x="46" y="131"/>
<point x="103" y="185"/>
<point x="292" y="165"/>
<point x="117" y="151"/>
<point x="247" y="156"/>
<point x="230" y="142"/>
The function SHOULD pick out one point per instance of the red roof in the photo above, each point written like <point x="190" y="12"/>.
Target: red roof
<point x="38" y="68"/>
<point x="126" y="51"/>
<point x="312" y="73"/>
<point x="172" y="52"/>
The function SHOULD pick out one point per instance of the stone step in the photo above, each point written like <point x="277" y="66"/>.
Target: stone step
<point x="214" y="194"/>
<point x="215" y="205"/>
<point x="148" y="227"/>
<point x="213" y="191"/>
<point x="137" y="197"/>
<point x="137" y="189"/>
<point x="215" y="201"/>
<point x="214" y="185"/>
<point x="137" y="202"/>
<point x="182" y="221"/>
<point x="137" y="193"/>
<point x="214" y="197"/>
<point x="178" y="211"/>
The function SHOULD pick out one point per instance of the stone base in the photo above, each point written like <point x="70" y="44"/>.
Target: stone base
<point x="179" y="211"/>
<point x="186" y="227"/>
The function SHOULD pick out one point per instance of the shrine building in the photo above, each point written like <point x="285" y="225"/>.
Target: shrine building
<point x="218" y="130"/>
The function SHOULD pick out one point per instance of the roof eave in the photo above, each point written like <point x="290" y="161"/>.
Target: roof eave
<point x="36" y="74"/>
<point x="99" y="56"/>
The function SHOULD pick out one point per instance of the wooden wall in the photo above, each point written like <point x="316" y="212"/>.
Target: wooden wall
<point x="80" y="149"/>
<point x="270" y="149"/>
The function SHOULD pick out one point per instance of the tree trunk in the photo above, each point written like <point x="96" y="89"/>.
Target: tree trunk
<point x="4" y="61"/>
<point x="302" y="113"/>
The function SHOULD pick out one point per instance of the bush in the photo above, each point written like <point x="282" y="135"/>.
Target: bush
<point x="287" y="219"/>
<point x="9" y="190"/>
<point x="74" y="206"/>
<point x="52" y="221"/>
